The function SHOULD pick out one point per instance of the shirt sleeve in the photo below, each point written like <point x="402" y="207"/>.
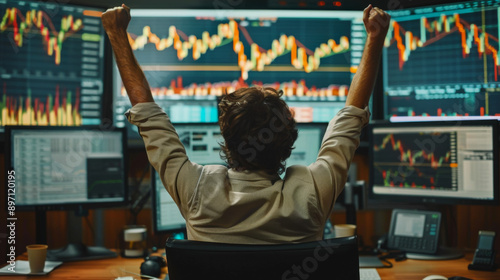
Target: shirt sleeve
<point x="166" y="152"/>
<point x="339" y="144"/>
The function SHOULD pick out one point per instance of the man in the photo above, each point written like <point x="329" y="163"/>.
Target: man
<point x="247" y="202"/>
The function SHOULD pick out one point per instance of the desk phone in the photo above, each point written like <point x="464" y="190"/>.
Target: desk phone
<point x="484" y="256"/>
<point x="414" y="231"/>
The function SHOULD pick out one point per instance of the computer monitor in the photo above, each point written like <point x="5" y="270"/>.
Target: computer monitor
<point x="441" y="63"/>
<point x="167" y="218"/>
<point x="52" y="59"/>
<point x="66" y="168"/>
<point x="201" y="142"/>
<point x="307" y="145"/>
<point x="190" y="57"/>
<point x="453" y="162"/>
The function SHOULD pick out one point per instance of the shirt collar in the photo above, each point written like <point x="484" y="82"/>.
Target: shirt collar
<point x="252" y="175"/>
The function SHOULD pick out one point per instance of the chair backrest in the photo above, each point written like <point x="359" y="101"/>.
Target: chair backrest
<point x="334" y="259"/>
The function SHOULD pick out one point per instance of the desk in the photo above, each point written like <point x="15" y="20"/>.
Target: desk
<point x="109" y="269"/>
<point x="417" y="269"/>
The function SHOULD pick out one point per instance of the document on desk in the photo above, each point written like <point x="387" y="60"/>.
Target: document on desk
<point x="23" y="268"/>
<point x="368" y="274"/>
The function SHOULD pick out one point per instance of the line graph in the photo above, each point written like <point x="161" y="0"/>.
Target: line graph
<point x="407" y="156"/>
<point x="443" y="61"/>
<point x="443" y="48"/>
<point x="470" y="34"/>
<point x="401" y="160"/>
<point x="20" y="24"/>
<point x="229" y="33"/>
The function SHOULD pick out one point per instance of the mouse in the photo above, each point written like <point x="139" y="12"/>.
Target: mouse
<point x="435" y="277"/>
<point x="152" y="266"/>
<point x="151" y="269"/>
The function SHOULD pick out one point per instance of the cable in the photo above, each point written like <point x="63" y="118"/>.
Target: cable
<point x="139" y="198"/>
<point x="397" y="255"/>
<point x="140" y="275"/>
<point x="90" y="226"/>
<point x="389" y="264"/>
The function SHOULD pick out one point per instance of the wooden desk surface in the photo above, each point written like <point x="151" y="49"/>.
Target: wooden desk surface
<point x="109" y="269"/>
<point x="418" y="269"/>
<point x="105" y="269"/>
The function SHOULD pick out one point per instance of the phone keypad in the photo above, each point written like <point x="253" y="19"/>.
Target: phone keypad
<point x="483" y="257"/>
<point x="415" y="243"/>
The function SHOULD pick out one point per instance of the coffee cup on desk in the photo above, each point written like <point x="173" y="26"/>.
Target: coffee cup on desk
<point x="344" y="230"/>
<point x="134" y="243"/>
<point x="37" y="254"/>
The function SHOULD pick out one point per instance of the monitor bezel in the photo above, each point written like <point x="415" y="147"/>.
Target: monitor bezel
<point x="387" y="199"/>
<point x="72" y="205"/>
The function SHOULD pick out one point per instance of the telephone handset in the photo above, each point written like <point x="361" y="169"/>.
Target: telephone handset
<point x="484" y="256"/>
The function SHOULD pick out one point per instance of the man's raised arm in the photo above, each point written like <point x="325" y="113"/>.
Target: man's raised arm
<point x="376" y="24"/>
<point x="115" y="22"/>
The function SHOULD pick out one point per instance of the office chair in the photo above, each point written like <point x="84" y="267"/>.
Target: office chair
<point x="327" y="259"/>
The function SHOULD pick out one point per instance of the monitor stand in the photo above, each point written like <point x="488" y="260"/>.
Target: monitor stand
<point x="75" y="250"/>
<point x="443" y="253"/>
<point x="79" y="252"/>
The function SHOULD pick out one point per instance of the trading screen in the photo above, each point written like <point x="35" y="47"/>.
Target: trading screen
<point x="441" y="62"/>
<point x="452" y="161"/>
<point x="51" y="64"/>
<point x="192" y="57"/>
<point x="67" y="166"/>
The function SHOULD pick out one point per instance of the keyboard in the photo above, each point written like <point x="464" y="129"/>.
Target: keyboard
<point x="368" y="274"/>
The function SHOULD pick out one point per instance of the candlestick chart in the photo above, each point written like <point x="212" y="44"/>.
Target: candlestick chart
<point x="301" y="57"/>
<point x="415" y="160"/>
<point x="443" y="63"/>
<point x="51" y="64"/>
<point x="245" y="49"/>
<point x="52" y="39"/>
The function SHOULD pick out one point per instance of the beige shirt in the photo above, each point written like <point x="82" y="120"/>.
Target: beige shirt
<point x="251" y="207"/>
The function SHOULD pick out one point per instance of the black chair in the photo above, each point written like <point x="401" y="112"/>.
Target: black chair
<point x="327" y="259"/>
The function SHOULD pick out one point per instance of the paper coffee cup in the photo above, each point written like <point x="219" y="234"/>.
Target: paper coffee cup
<point x="37" y="254"/>
<point x="344" y="230"/>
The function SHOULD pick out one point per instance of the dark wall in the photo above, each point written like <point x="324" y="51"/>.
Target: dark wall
<point x="259" y="4"/>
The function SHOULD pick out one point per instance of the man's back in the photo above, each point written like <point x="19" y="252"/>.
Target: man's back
<point x="251" y="207"/>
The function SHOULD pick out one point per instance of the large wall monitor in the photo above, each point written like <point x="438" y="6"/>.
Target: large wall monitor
<point x="190" y="57"/>
<point x="441" y="62"/>
<point x="51" y="64"/>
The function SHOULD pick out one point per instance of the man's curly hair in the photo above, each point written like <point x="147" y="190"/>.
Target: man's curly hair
<point x="258" y="129"/>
